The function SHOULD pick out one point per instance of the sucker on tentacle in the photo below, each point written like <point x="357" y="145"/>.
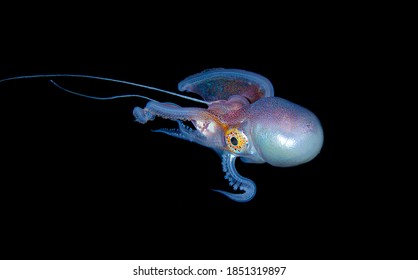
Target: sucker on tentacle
<point x="236" y="180"/>
<point x="183" y="132"/>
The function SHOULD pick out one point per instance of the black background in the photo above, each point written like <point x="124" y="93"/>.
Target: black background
<point x="81" y="180"/>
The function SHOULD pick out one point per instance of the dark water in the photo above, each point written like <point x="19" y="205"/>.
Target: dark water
<point x="80" y="179"/>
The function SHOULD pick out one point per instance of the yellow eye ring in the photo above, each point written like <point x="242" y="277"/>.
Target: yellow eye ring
<point x="236" y="141"/>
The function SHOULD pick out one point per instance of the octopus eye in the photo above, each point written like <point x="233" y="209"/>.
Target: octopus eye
<point x="236" y="141"/>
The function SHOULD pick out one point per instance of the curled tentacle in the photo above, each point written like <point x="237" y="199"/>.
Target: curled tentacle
<point x="236" y="181"/>
<point x="165" y="110"/>
<point x="142" y="116"/>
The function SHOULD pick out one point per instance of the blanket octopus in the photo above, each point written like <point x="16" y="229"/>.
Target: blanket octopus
<point x="243" y="119"/>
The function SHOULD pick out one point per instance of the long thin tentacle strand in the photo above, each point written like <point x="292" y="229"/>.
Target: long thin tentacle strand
<point x="103" y="79"/>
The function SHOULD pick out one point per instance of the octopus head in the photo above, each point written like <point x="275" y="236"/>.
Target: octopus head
<point x="283" y="133"/>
